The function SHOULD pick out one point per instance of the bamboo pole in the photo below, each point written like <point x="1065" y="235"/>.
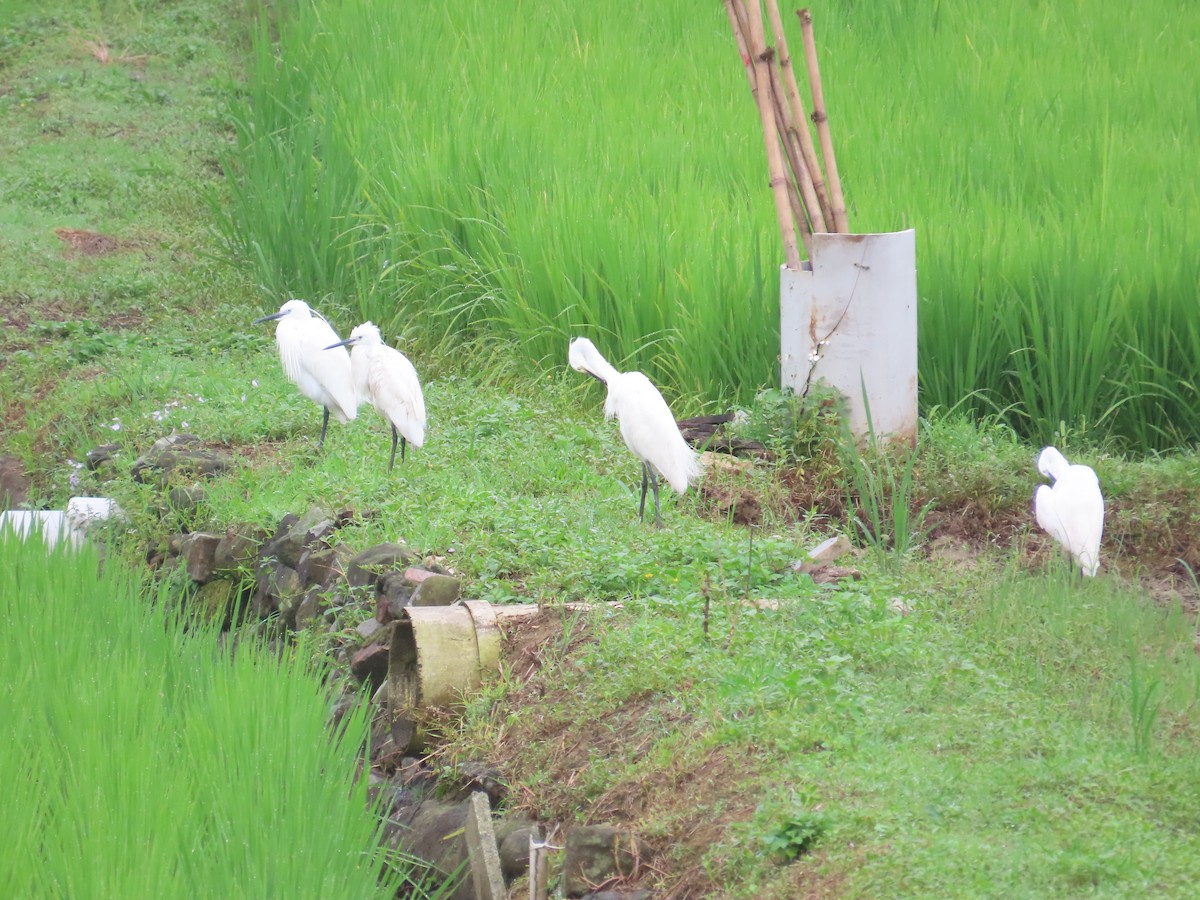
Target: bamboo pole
<point x="738" y="22"/>
<point x="799" y="213"/>
<point x="798" y="122"/>
<point x="814" y="219"/>
<point x="739" y="33"/>
<point x="761" y="57"/>
<point x="840" y="223"/>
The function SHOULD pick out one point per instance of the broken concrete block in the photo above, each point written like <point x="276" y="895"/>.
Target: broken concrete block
<point x="295" y="533"/>
<point x="370" y="664"/>
<point x="216" y="600"/>
<point x="436" y="590"/>
<point x="482" y="852"/>
<point x="322" y="565"/>
<point x="179" y="455"/>
<point x="238" y="548"/>
<point x="596" y="853"/>
<point x="199" y="550"/>
<point x="368" y="628"/>
<point x="365" y="568"/>
<point x="87" y="514"/>
<point x="829" y="550"/>
<point x="512" y="836"/>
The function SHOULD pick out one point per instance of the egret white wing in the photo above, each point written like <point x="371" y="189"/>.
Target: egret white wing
<point x="1072" y="512"/>
<point x="1049" y="517"/>
<point x="396" y="392"/>
<point x="649" y="428"/>
<point x="322" y="375"/>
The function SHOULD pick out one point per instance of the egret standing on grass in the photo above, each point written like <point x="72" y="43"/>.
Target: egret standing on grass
<point x="302" y="334"/>
<point x="647" y="425"/>
<point x="384" y="376"/>
<point x="1073" y="510"/>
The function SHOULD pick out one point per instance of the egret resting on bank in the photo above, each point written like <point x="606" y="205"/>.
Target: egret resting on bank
<point x="1073" y="510"/>
<point x="647" y="425"/>
<point x="302" y="334"/>
<point x="384" y="376"/>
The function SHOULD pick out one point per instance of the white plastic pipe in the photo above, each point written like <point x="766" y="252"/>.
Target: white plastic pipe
<point x="50" y="525"/>
<point x="850" y="319"/>
<point x="82" y="515"/>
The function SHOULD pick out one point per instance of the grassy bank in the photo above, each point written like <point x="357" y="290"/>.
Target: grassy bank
<point x="404" y="162"/>
<point x="1003" y="736"/>
<point x="110" y="292"/>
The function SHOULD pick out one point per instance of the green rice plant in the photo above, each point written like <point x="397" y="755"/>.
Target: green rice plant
<point x="883" y="489"/>
<point x="487" y="207"/>
<point x="145" y="760"/>
<point x="613" y="182"/>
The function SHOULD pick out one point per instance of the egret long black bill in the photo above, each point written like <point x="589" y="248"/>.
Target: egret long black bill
<point x="271" y="318"/>
<point x="347" y="341"/>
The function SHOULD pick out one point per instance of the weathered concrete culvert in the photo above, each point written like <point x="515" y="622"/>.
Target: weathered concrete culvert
<point x="437" y="652"/>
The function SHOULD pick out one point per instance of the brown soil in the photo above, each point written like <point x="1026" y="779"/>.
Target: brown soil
<point x="1150" y="538"/>
<point x="87" y="243"/>
<point x="18" y="313"/>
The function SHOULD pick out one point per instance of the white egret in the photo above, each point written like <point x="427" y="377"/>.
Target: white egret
<point x="1072" y="511"/>
<point x="384" y="376"/>
<point x="646" y="422"/>
<point x="302" y="334"/>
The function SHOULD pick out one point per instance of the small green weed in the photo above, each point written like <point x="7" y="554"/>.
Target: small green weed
<point x="798" y="834"/>
<point x="883" y="491"/>
<point x="1145" y="702"/>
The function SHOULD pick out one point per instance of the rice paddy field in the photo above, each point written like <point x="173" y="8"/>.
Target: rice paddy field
<point x="144" y="760"/>
<point x="526" y="170"/>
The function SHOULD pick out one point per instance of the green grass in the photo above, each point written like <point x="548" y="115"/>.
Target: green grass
<point x="127" y="148"/>
<point x="985" y="744"/>
<point x="1016" y="733"/>
<point x="613" y="181"/>
<point x="147" y="762"/>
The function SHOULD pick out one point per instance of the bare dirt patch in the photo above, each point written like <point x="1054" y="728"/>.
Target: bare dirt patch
<point x="126" y="320"/>
<point x="87" y="243"/>
<point x="733" y="503"/>
<point x="99" y="50"/>
<point x="14" y="483"/>
<point x="808" y="492"/>
<point x="18" y="313"/>
<point x="529" y="642"/>
<point x="1151" y="536"/>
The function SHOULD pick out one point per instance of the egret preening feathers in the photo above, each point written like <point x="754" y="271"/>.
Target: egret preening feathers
<point x="301" y="335"/>
<point x="1072" y="511"/>
<point x="646" y="422"/>
<point x="384" y="376"/>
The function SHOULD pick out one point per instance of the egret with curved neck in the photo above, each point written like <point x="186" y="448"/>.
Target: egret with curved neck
<point x="1072" y="511"/>
<point x="647" y="426"/>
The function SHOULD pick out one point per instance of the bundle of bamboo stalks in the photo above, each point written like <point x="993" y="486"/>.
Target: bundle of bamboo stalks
<point x="806" y="201"/>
